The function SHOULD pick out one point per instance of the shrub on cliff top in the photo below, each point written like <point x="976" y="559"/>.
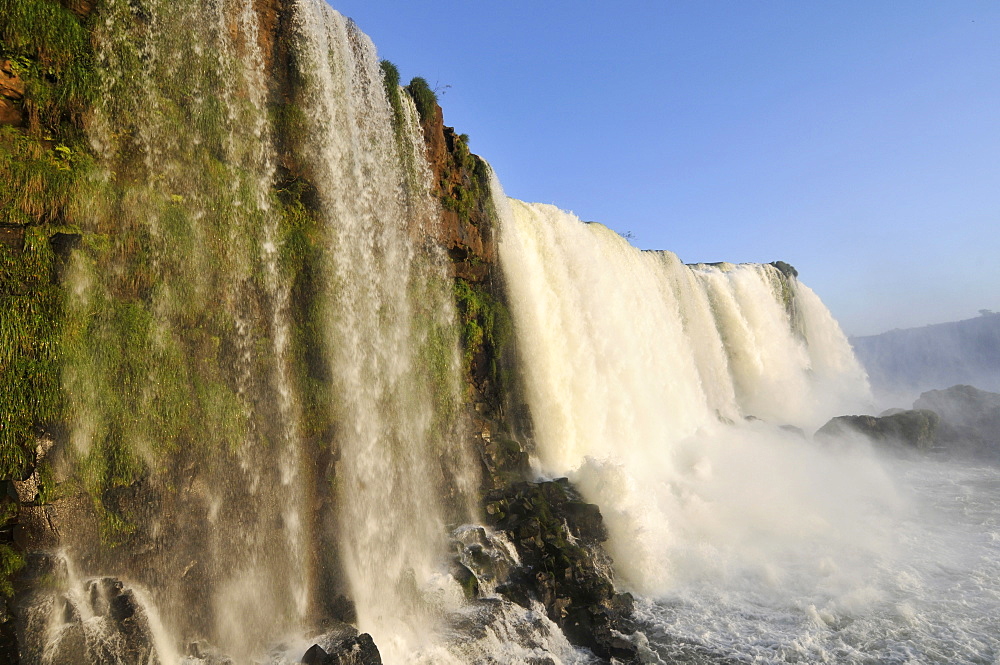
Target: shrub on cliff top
<point x="423" y="96"/>
<point x="390" y="78"/>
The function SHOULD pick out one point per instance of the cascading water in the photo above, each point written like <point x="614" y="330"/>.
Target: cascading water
<point x="676" y="397"/>
<point x="388" y="311"/>
<point x="198" y="405"/>
<point x="186" y="285"/>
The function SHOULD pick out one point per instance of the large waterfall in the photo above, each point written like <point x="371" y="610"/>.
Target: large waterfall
<point x="659" y="385"/>
<point x="318" y="376"/>
<point x="680" y="398"/>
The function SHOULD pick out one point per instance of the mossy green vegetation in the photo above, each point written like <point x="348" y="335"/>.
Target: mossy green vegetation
<point x="11" y="560"/>
<point x="46" y="181"/>
<point x="50" y="49"/>
<point x="30" y="326"/>
<point x="487" y="334"/>
<point x="471" y="194"/>
<point x="390" y="77"/>
<point x="424" y="98"/>
<point x="301" y="260"/>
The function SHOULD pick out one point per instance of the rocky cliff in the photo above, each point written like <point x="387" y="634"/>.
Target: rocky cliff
<point x="144" y="510"/>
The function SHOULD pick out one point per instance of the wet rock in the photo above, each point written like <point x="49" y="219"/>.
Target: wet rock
<point x="487" y="555"/>
<point x="12" y="237"/>
<point x="970" y="419"/>
<point x="468" y="581"/>
<point x="8" y="635"/>
<point x="11" y="93"/>
<point x="914" y="429"/>
<point x="356" y="650"/>
<point x="81" y="8"/>
<point x="558" y="538"/>
<point x="792" y="429"/>
<point x="314" y="656"/>
<point x="100" y="620"/>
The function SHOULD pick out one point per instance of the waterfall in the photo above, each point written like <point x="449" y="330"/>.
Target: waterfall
<point x="388" y="315"/>
<point x="191" y="365"/>
<point x="284" y="367"/>
<point x="676" y="396"/>
<point x="185" y="283"/>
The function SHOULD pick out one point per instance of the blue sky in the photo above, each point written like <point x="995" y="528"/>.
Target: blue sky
<point x="855" y="140"/>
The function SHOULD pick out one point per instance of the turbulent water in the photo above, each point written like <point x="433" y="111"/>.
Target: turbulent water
<point x="679" y="398"/>
<point x="927" y="593"/>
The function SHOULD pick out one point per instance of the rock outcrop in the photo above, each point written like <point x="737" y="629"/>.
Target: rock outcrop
<point x="11" y="95"/>
<point x="356" y="650"/>
<point x="961" y="420"/>
<point x="914" y="429"/>
<point x="558" y="538"/>
<point x="970" y="419"/>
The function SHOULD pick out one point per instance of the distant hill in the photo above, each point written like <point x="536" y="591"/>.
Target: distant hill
<point x="910" y="361"/>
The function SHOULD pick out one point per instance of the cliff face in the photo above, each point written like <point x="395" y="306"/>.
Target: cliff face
<point x="70" y="207"/>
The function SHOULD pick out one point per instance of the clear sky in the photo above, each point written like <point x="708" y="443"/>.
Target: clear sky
<point x="856" y="140"/>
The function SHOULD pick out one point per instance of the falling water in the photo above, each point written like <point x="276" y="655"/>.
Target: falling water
<point x="681" y="399"/>
<point x="185" y="366"/>
<point x="642" y="373"/>
<point x="390" y="328"/>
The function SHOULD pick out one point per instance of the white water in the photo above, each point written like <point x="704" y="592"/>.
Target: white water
<point x="930" y="594"/>
<point x="386" y="299"/>
<point x="747" y="542"/>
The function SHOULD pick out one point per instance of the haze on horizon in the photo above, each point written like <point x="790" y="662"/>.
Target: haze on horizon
<point x="854" y="140"/>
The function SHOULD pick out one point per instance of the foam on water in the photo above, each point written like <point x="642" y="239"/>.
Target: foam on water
<point x="931" y="595"/>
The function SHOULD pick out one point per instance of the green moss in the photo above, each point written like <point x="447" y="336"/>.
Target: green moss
<point x="40" y="183"/>
<point x="30" y="321"/>
<point x="470" y="196"/>
<point x="11" y="561"/>
<point x="487" y="331"/>
<point x="52" y="53"/>
<point x="301" y="260"/>
<point x="390" y="77"/>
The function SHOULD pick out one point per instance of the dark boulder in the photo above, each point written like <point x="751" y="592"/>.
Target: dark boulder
<point x="558" y="537"/>
<point x="911" y="429"/>
<point x="970" y="419"/>
<point x="356" y="650"/>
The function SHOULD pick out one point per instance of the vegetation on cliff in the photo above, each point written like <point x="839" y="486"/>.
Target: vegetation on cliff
<point x="109" y="321"/>
<point x="46" y="88"/>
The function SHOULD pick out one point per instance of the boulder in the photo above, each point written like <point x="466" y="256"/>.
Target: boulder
<point x="564" y="567"/>
<point x="356" y="650"/>
<point x="914" y="429"/>
<point x="970" y="419"/>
